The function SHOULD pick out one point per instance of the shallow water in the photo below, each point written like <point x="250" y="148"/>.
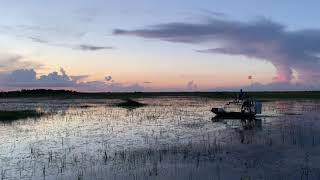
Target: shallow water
<point x="171" y="138"/>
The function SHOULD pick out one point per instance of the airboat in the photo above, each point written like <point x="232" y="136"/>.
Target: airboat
<point x="241" y="107"/>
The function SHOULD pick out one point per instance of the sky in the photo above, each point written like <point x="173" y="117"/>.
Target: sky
<point x="167" y="45"/>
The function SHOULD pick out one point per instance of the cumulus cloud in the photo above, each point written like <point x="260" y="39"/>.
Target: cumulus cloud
<point x="22" y="76"/>
<point x="79" y="77"/>
<point x="262" y="39"/>
<point x="27" y="79"/>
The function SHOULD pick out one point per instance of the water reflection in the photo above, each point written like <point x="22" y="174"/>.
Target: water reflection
<point x="245" y="128"/>
<point x="244" y="123"/>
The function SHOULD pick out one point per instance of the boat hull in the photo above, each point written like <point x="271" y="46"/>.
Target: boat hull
<point x="225" y="114"/>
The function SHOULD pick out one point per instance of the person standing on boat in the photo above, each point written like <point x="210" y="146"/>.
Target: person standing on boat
<point x="241" y="95"/>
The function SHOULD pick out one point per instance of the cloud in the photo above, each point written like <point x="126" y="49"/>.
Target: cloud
<point x="53" y="30"/>
<point x="9" y="62"/>
<point x="214" y="13"/>
<point x="44" y="33"/>
<point x="79" y="77"/>
<point x="108" y="78"/>
<point x="58" y="36"/>
<point x="22" y="76"/>
<point x="261" y="39"/>
<point x="85" y="47"/>
<point x="147" y="82"/>
<point x="54" y="79"/>
<point x="27" y="79"/>
<point x="191" y="86"/>
<point x="39" y="40"/>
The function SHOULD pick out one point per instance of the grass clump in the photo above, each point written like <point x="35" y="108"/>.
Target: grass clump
<point x="19" y="114"/>
<point x="129" y="103"/>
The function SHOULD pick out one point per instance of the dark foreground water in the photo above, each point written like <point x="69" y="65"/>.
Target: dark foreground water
<point x="172" y="138"/>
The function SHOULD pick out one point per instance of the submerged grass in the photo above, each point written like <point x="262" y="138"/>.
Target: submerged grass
<point x="16" y="115"/>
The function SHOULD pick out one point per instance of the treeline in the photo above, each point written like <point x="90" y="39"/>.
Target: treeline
<point x="67" y="94"/>
<point x="64" y="94"/>
<point x="37" y="93"/>
<point x="49" y="93"/>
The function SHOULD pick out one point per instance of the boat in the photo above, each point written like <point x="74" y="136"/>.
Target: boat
<point x="241" y="107"/>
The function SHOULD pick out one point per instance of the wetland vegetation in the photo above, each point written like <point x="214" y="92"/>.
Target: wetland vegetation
<point x="170" y="138"/>
<point x="12" y="115"/>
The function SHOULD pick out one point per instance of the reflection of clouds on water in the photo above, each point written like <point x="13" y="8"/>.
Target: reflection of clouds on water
<point x="172" y="138"/>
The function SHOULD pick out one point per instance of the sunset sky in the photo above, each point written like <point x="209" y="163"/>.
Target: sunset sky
<point x="167" y="45"/>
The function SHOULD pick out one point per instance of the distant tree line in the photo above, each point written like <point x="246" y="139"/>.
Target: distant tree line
<point x="68" y="94"/>
<point x="38" y="93"/>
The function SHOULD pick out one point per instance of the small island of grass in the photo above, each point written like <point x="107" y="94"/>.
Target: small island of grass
<point x="19" y="114"/>
<point x="129" y="103"/>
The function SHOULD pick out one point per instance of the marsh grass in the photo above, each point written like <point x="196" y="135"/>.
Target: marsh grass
<point x="168" y="139"/>
<point x="19" y="114"/>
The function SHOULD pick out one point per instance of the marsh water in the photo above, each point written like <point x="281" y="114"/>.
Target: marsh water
<point x="171" y="138"/>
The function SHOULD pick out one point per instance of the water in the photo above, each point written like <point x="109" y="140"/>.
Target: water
<point x="171" y="138"/>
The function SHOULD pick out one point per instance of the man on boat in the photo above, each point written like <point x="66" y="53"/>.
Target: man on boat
<point x="241" y="95"/>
